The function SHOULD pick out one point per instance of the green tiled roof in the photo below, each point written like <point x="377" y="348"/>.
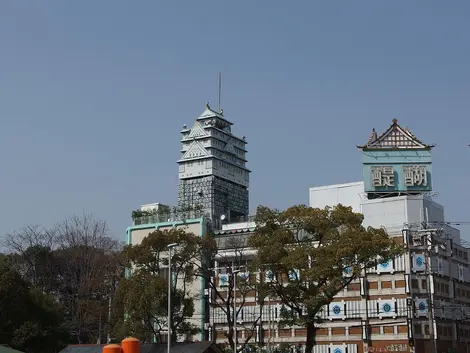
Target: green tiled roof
<point x="4" y="349"/>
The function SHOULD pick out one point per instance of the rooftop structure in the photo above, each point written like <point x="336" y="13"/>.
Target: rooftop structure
<point x="396" y="163"/>
<point x="212" y="169"/>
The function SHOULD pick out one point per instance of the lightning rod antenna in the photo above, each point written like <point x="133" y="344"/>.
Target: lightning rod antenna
<point x="220" y="89"/>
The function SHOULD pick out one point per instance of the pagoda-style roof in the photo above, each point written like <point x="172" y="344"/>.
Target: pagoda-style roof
<point x="195" y="150"/>
<point x="209" y="113"/>
<point x="394" y="137"/>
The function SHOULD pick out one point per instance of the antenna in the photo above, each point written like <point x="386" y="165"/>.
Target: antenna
<point x="220" y="89"/>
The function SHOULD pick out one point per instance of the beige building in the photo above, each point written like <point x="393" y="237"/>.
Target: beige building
<point x="194" y="223"/>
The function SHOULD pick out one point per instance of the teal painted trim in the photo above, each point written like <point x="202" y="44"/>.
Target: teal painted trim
<point x="128" y="236"/>
<point x="396" y="156"/>
<point x="203" y="286"/>
<point x="127" y="271"/>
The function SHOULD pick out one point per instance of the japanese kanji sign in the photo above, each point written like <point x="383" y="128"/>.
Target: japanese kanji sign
<point x="415" y="175"/>
<point x="390" y="348"/>
<point x="383" y="176"/>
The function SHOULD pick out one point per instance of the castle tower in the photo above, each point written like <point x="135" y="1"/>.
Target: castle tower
<point x="396" y="163"/>
<point x="212" y="169"/>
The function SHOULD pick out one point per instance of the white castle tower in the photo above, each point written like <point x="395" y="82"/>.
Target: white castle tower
<point x="212" y="169"/>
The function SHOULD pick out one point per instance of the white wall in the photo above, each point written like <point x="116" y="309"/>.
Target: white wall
<point x="241" y="225"/>
<point x="349" y="194"/>
<point x="392" y="213"/>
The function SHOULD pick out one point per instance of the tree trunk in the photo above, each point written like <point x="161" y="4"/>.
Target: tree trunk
<point x="230" y="337"/>
<point x="311" y="334"/>
<point x="261" y="331"/>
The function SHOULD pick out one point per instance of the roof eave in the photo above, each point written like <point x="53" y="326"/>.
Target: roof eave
<point x="194" y="159"/>
<point x="366" y="147"/>
<point x="209" y="113"/>
<point x="201" y="118"/>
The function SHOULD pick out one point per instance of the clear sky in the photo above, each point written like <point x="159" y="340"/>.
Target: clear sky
<point x="93" y="95"/>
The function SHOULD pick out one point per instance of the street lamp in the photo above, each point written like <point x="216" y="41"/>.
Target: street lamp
<point x="235" y="334"/>
<point x="169" y="246"/>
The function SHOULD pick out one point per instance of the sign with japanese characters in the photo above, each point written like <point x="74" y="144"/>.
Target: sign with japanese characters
<point x="383" y="176"/>
<point x="398" y="178"/>
<point x="415" y="175"/>
<point x="388" y="347"/>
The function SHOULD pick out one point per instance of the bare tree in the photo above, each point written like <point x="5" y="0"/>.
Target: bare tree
<point x="77" y="262"/>
<point x="29" y="236"/>
<point x="224" y="255"/>
<point x="31" y="248"/>
<point x="88" y="267"/>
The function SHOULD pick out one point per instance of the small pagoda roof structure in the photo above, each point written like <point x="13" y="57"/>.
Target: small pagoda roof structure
<point x="209" y="113"/>
<point x="395" y="137"/>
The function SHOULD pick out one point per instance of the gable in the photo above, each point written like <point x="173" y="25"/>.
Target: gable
<point x="195" y="150"/>
<point x="197" y="131"/>
<point x="395" y="137"/>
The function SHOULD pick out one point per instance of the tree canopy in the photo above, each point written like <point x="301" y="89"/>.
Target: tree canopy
<point x="311" y="254"/>
<point x="29" y="319"/>
<point x="68" y="271"/>
<point x="143" y="295"/>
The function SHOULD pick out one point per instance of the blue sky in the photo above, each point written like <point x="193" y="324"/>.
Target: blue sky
<point x="93" y="95"/>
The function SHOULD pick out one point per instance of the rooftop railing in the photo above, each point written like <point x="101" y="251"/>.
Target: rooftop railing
<point x="167" y="217"/>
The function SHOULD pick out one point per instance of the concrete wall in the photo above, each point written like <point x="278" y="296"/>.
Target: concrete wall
<point x="392" y="213"/>
<point x="349" y="194"/>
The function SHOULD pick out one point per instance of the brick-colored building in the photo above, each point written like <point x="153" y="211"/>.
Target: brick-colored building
<point x="419" y="302"/>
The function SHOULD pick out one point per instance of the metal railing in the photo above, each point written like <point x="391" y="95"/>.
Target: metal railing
<point x="249" y="218"/>
<point x="167" y="217"/>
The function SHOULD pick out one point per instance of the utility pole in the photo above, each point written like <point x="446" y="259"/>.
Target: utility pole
<point x="269" y="324"/>
<point x="410" y="300"/>
<point x="430" y="294"/>
<point x="423" y="240"/>
<point x="235" y="334"/>
<point x="170" y="246"/>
